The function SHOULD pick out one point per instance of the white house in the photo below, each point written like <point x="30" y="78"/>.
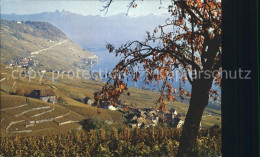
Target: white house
<point x="111" y="107"/>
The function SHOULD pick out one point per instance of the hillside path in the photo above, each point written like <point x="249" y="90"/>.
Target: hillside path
<point x="57" y="44"/>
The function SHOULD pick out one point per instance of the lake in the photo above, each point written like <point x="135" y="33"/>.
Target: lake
<point x="107" y="61"/>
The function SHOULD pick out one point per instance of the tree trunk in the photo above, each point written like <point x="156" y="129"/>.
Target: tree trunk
<point x="198" y="102"/>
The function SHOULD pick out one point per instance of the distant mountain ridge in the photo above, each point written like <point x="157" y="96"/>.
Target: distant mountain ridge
<point x="43" y="43"/>
<point x="35" y="28"/>
<point x="95" y="31"/>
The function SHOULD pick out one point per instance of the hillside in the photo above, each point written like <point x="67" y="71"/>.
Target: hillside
<point x="43" y="45"/>
<point x="15" y="91"/>
<point x="35" y="117"/>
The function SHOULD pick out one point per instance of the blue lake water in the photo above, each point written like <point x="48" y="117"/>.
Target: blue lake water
<point x="107" y="61"/>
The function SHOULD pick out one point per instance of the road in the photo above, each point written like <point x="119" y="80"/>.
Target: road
<point x="57" y="44"/>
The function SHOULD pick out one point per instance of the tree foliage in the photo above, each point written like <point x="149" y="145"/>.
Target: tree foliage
<point x="189" y="42"/>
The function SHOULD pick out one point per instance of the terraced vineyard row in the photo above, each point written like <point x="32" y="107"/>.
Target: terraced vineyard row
<point x="33" y="116"/>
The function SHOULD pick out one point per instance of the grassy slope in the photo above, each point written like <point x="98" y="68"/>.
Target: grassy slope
<point x="81" y="88"/>
<point x="7" y="116"/>
<point x="72" y="89"/>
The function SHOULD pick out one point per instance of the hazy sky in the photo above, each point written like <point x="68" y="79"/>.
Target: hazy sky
<point x="92" y="7"/>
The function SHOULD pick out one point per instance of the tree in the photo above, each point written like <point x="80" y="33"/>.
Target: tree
<point x="193" y="45"/>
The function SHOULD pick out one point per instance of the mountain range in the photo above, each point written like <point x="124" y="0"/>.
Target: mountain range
<point x="93" y="32"/>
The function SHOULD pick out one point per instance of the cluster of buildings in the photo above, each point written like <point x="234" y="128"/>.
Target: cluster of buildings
<point x="146" y="117"/>
<point x="23" y="62"/>
<point x="135" y="117"/>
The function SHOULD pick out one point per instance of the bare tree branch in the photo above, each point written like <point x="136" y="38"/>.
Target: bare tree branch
<point x="130" y="5"/>
<point x="106" y="7"/>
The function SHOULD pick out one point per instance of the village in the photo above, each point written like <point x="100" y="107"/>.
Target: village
<point x="23" y="62"/>
<point x="147" y="117"/>
<point x="135" y="117"/>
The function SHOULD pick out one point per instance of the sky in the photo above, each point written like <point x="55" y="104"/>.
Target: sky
<point x="92" y="7"/>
